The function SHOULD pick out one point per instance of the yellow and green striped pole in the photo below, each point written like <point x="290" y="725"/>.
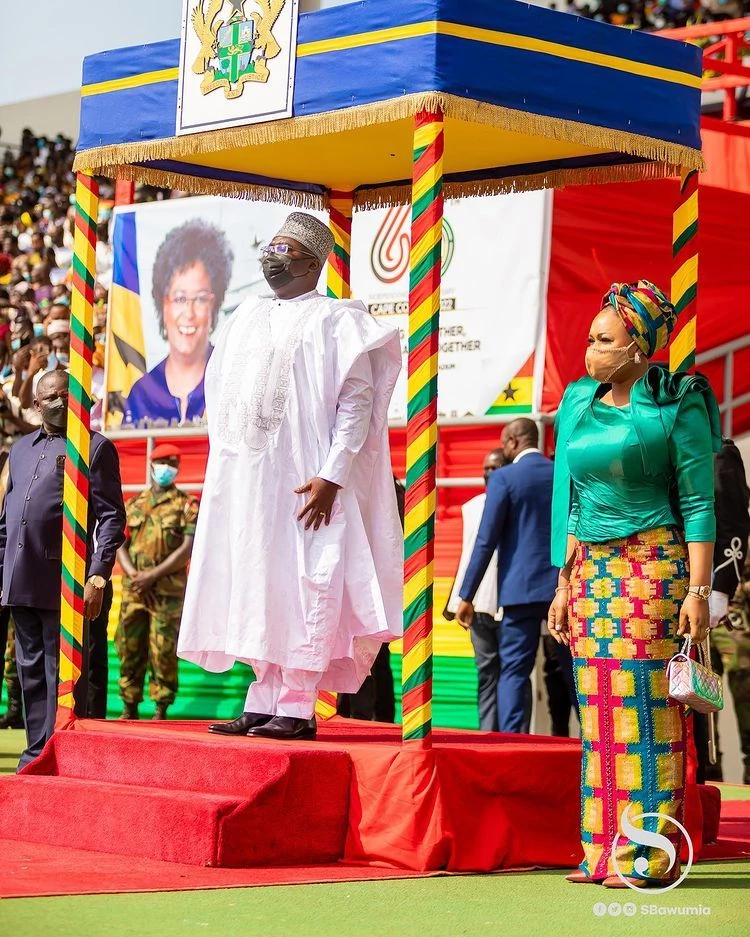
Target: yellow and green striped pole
<point x="341" y="205"/>
<point x="685" y="277"/>
<point x="76" y="484"/>
<point x="421" y="426"/>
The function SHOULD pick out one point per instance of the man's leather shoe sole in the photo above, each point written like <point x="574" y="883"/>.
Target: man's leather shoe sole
<point x="240" y="725"/>
<point x="286" y="728"/>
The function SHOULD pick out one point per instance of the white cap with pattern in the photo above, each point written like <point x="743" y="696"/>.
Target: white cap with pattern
<point x="311" y="233"/>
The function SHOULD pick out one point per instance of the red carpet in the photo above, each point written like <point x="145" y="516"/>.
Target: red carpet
<point x="734" y="833"/>
<point x="352" y="806"/>
<point x="171" y="791"/>
<point x="31" y="870"/>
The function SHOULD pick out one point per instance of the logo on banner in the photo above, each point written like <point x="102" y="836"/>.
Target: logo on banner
<point x="236" y="50"/>
<point x="389" y="256"/>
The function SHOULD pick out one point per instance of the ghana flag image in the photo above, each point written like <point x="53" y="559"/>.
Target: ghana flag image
<point x="516" y="396"/>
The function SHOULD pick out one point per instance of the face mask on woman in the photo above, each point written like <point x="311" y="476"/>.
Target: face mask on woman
<point x="603" y="362"/>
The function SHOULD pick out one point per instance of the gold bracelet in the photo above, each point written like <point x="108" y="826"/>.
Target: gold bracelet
<point x="561" y="588"/>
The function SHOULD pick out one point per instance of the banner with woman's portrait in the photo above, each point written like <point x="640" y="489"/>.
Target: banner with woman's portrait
<point x="181" y="267"/>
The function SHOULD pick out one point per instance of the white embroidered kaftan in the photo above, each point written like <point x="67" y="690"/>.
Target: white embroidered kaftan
<point x="293" y="390"/>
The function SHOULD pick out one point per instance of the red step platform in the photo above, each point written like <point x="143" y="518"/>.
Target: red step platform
<point x="170" y="791"/>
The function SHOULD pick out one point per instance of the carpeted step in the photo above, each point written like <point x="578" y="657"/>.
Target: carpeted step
<point x="145" y="795"/>
<point x="129" y="821"/>
<point x="221" y="765"/>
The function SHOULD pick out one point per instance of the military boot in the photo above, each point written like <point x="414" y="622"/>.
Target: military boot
<point x="160" y="712"/>
<point x="130" y="711"/>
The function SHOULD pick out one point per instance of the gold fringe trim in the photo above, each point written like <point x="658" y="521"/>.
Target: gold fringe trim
<point x="390" y="196"/>
<point x="199" y="186"/>
<point x="353" y="118"/>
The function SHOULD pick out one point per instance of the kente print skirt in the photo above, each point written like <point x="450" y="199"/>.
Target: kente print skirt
<point x="624" y="608"/>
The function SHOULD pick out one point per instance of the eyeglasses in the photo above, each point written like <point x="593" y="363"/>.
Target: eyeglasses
<point x="203" y="301"/>
<point x="269" y="249"/>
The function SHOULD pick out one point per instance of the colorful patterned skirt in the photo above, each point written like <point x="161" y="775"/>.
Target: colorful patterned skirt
<point x="625" y="600"/>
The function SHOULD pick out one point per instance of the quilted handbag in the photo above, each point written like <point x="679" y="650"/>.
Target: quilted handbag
<point x="693" y="683"/>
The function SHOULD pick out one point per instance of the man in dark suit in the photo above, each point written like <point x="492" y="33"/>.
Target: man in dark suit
<point x="31" y="549"/>
<point x="516" y="522"/>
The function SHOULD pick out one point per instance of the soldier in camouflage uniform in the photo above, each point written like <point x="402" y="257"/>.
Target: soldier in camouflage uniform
<point x="154" y="559"/>
<point x="730" y="654"/>
<point x="13" y="718"/>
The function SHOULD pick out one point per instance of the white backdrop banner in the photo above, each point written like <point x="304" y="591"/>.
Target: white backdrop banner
<point x="493" y="296"/>
<point x="181" y="266"/>
<point x="237" y="60"/>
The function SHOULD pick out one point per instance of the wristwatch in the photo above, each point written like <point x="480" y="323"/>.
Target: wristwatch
<point x="98" y="582"/>
<point x="701" y="592"/>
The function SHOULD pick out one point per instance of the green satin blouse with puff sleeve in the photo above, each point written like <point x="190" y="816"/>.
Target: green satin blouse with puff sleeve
<point x="620" y="471"/>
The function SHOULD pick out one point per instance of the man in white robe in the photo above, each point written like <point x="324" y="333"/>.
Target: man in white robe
<point x="297" y="565"/>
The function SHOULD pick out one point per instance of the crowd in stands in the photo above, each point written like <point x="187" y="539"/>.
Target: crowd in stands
<point x="37" y="221"/>
<point x="657" y="14"/>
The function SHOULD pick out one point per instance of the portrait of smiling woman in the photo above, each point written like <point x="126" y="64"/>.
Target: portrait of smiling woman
<point x="192" y="270"/>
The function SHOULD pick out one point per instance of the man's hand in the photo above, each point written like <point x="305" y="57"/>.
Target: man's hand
<point x="320" y="503"/>
<point x="141" y="582"/>
<point x="92" y="601"/>
<point x="36" y="363"/>
<point x="694" y="618"/>
<point x="718" y="606"/>
<point x="21" y="359"/>
<point x="465" y="614"/>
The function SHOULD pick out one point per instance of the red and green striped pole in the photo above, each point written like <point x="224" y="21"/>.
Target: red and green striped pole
<point x="421" y="426"/>
<point x="685" y="277"/>
<point x="76" y="484"/>
<point x="341" y="205"/>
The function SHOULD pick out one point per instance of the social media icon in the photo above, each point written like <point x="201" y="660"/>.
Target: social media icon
<point x="629" y="909"/>
<point x="600" y="909"/>
<point x="614" y="909"/>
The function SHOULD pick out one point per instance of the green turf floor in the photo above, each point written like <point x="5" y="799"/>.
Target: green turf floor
<point x="535" y="904"/>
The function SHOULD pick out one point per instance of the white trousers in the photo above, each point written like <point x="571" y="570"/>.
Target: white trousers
<point x="281" y="691"/>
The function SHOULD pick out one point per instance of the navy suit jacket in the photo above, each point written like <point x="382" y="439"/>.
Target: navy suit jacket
<point x="517" y="522"/>
<point x="31" y="522"/>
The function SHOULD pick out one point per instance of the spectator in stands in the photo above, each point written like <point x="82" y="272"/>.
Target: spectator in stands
<point x="192" y="270"/>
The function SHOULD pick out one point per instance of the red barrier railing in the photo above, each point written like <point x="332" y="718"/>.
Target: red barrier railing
<point x="723" y="68"/>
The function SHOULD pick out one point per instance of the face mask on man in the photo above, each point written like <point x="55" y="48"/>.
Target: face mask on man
<point x="163" y="473"/>
<point x="55" y="413"/>
<point x="63" y="358"/>
<point x="604" y="362"/>
<point x="277" y="269"/>
<point x="38" y="328"/>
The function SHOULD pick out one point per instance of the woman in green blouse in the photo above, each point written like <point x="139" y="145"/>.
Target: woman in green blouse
<point x="633" y="531"/>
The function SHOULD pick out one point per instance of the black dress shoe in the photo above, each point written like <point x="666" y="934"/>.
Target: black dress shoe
<point x="286" y="727"/>
<point x="240" y="725"/>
